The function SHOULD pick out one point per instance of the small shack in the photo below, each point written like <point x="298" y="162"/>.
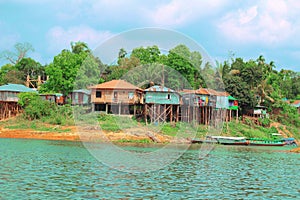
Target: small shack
<point x="233" y="107"/>
<point x="260" y="111"/>
<point x="9" y="99"/>
<point x="56" y="97"/>
<point x="116" y="97"/>
<point x="189" y="109"/>
<point x="80" y="97"/>
<point x="161" y="104"/>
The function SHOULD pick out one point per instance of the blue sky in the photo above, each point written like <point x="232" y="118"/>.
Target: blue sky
<point x="246" y="28"/>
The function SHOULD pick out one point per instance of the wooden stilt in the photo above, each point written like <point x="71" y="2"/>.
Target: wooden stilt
<point x="171" y="113"/>
<point x="134" y="110"/>
<point x="165" y="112"/>
<point x="177" y="113"/>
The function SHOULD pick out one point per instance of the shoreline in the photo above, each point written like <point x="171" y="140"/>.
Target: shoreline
<point x="75" y="135"/>
<point x="85" y="135"/>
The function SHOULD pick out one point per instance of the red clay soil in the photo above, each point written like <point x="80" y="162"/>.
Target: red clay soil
<point x="84" y="135"/>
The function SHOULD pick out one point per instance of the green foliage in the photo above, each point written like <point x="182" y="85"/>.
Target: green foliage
<point x="37" y="125"/>
<point x="254" y="131"/>
<point x="10" y="74"/>
<point x="37" y="109"/>
<point x="146" y="55"/>
<point x="288" y="115"/>
<point x="265" y="122"/>
<point x="34" y="107"/>
<point x="72" y="70"/>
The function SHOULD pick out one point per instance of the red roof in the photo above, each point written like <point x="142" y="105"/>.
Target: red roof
<point x="206" y="91"/>
<point x="296" y="102"/>
<point x="202" y="91"/>
<point x="115" y="84"/>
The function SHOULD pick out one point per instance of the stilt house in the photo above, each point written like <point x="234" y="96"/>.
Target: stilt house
<point x="116" y="97"/>
<point x="161" y="104"/>
<point x="9" y="99"/>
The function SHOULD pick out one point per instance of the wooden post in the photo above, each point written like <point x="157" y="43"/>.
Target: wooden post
<point x="39" y="82"/>
<point x="134" y="110"/>
<point x="165" y="112"/>
<point x="237" y="115"/>
<point x="119" y="108"/>
<point x="145" y="114"/>
<point x="177" y="113"/>
<point x="171" y="113"/>
<point x="106" y="108"/>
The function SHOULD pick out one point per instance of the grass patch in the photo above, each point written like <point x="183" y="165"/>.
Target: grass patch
<point x="142" y="141"/>
<point x="36" y="125"/>
<point x="116" y="123"/>
<point x="250" y="131"/>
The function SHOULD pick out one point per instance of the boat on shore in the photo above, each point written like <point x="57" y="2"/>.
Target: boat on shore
<point x="231" y="140"/>
<point x="265" y="142"/>
<point x="207" y="140"/>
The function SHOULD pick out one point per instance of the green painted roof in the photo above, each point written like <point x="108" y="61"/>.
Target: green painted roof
<point x="231" y="98"/>
<point x="16" y="88"/>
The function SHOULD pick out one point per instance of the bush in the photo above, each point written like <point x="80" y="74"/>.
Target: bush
<point x="36" y="108"/>
<point x="265" y="122"/>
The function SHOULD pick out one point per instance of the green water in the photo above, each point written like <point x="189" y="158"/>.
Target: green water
<point x="35" y="169"/>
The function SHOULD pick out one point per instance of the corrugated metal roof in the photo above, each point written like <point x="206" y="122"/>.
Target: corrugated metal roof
<point x="202" y="91"/>
<point x="157" y="88"/>
<point x="115" y="84"/>
<point x="16" y="88"/>
<point x="85" y="91"/>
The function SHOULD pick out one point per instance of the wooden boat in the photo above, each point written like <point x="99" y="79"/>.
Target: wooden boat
<point x="231" y="140"/>
<point x="208" y="140"/>
<point x="289" y="141"/>
<point x="265" y="142"/>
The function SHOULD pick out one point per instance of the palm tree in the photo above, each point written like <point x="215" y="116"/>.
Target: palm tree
<point x="263" y="90"/>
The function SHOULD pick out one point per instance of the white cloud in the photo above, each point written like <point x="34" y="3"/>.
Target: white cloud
<point x="60" y="38"/>
<point x="270" y="22"/>
<point x="180" y="12"/>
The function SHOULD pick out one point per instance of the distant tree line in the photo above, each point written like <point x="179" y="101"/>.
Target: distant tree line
<point x="252" y="82"/>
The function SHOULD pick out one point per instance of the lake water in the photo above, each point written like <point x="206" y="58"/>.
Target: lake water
<point x="37" y="169"/>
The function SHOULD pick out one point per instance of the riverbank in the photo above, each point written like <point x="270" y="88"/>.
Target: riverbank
<point x="72" y="133"/>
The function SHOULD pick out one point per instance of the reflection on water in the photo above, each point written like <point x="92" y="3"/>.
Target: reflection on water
<point x="36" y="169"/>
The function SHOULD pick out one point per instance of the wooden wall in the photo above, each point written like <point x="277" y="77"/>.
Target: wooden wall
<point x="117" y="96"/>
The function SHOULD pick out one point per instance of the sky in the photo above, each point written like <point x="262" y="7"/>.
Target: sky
<point x="243" y="28"/>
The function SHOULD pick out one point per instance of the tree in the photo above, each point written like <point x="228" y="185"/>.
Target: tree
<point x="121" y="55"/>
<point x="30" y="67"/>
<point x="21" y="50"/>
<point x="264" y="90"/>
<point x="240" y="90"/>
<point x="79" y="47"/>
<point x="146" y="55"/>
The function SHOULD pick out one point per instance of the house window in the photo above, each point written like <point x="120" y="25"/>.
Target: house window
<point x="115" y="95"/>
<point x="169" y="96"/>
<point x="98" y="94"/>
<point x="130" y="95"/>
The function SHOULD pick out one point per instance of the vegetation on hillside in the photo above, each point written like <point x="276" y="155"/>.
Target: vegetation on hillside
<point x="253" y="82"/>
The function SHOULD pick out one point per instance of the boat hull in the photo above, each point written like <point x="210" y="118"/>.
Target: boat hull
<point x="235" y="143"/>
<point x="266" y="144"/>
